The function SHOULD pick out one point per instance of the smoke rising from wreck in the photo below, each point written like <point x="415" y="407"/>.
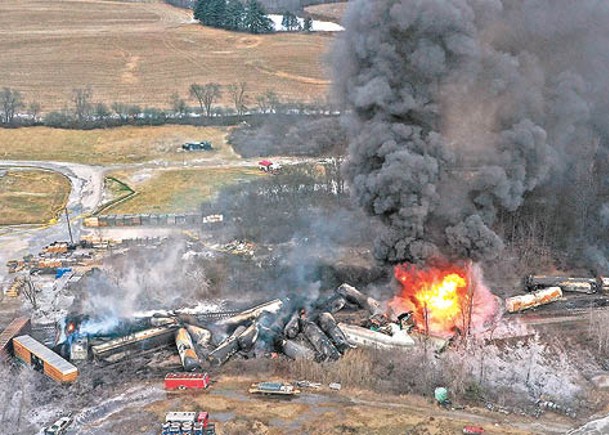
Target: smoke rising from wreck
<point x="164" y="278"/>
<point x="461" y="110"/>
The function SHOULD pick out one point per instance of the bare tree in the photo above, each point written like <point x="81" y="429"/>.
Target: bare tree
<point x="237" y="93"/>
<point x="134" y="111"/>
<point x="10" y="102"/>
<point x="101" y="112"/>
<point x="206" y="95"/>
<point x="178" y="105"/>
<point x="196" y="92"/>
<point x="272" y="100"/>
<point x="268" y="102"/>
<point x="121" y="109"/>
<point x="81" y="97"/>
<point x="262" y="103"/>
<point x="34" y="110"/>
<point x="29" y="290"/>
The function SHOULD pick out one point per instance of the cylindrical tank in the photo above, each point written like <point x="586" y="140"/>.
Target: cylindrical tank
<point x="534" y="299"/>
<point x="292" y="328"/>
<point x="335" y="304"/>
<point x="226" y="349"/>
<point x="354" y="296"/>
<point x="319" y="341"/>
<point x="200" y="336"/>
<point x="188" y="356"/>
<point x="328" y="325"/>
<point x="248" y="338"/>
<point x="296" y="350"/>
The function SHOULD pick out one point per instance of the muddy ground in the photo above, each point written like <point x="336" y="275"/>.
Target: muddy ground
<point x="142" y="407"/>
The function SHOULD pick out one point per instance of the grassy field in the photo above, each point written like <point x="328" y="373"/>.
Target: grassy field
<point x="117" y="145"/>
<point x="175" y="191"/>
<point x="31" y="196"/>
<point x="141" y="53"/>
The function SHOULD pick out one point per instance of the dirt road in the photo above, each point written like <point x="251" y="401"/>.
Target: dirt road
<point x="142" y="408"/>
<point x="87" y="187"/>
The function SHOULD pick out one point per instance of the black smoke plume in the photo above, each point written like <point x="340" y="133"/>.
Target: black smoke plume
<point x="459" y="111"/>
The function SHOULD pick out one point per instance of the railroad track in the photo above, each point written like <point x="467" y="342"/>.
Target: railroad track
<point x="557" y="315"/>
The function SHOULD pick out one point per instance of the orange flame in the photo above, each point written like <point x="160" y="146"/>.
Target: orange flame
<point x="438" y="297"/>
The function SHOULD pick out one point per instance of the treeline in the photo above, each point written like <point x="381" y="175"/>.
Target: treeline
<point x="273" y="6"/>
<point x="187" y="4"/>
<point x="234" y="15"/>
<point x="290" y="136"/>
<point x="83" y="112"/>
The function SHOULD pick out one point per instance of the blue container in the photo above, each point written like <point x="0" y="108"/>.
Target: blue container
<point x="61" y="271"/>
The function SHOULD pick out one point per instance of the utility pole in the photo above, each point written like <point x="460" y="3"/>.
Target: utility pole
<point x="69" y="227"/>
<point x="470" y="296"/>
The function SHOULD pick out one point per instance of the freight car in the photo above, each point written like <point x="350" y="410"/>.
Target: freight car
<point x="532" y="300"/>
<point x="43" y="359"/>
<point x="116" y="349"/>
<point x="19" y="326"/>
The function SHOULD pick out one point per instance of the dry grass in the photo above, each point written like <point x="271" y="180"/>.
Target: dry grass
<point x="329" y="11"/>
<point x="32" y="196"/>
<point x="117" y="145"/>
<point x="141" y="53"/>
<point x="176" y="191"/>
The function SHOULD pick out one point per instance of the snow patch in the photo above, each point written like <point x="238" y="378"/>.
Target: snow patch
<point x="316" y="26"/>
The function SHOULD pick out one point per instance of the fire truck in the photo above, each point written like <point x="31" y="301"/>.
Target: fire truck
<point x="188" y="423"/>
<point x="186" y="381"/>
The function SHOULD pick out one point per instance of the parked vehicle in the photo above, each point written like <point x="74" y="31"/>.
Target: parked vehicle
<point x="186" y="381"/>
<point x="188" y="423"/>
<point x="268" y="166"/>
<point x="274" y="388"/>
<point x="473" y="430"/>
<point x="198" y="146"/>
<point x="59" y="426"/>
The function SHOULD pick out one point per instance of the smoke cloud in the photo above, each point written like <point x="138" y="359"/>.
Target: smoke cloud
<point x="460" y="110"/>
<point x="165" y="277"/>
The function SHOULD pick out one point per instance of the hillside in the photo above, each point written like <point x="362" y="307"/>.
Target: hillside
<point x="142" y="53"/>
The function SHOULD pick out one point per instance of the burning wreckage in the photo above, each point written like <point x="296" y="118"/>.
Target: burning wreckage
<point x="322" y="332"/>
<point x="433" y="305"/>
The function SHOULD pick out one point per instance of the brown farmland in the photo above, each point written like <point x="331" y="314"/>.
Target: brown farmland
<point x="328" y="11"/>
<point x="142" y="53"/>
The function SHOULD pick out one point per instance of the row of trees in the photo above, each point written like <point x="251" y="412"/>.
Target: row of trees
<point x="11" y="103"/>
<point x="291" y="23"/>
<point x="206" y="95"/>
<point x="82" y="111"/>
<point x="234" y="15"/>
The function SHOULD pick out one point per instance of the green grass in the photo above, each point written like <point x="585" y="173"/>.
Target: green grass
<point x="177" y="191"/>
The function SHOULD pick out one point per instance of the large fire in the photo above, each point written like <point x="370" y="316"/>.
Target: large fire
<point x="443" y="300"/>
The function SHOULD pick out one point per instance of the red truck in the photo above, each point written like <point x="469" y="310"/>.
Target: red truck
<point x="268" y="166"/>
<point x="192" y="423"/>
<point x="186" y="381"/>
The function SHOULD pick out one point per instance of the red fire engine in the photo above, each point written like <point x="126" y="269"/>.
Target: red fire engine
<point x="183" y="381"/>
